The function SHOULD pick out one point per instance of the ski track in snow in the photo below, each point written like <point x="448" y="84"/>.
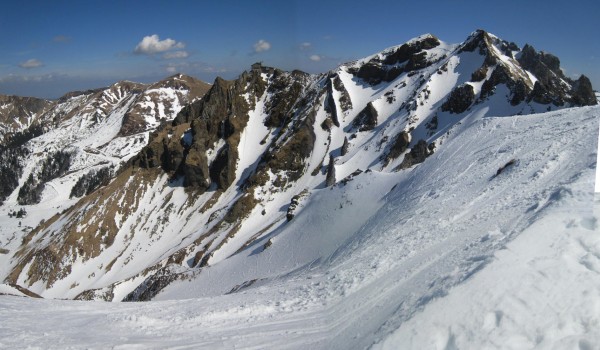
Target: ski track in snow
<point x="453" y="257"/>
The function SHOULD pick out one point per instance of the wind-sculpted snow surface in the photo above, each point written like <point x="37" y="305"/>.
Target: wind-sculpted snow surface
<point x="454" y="256"/>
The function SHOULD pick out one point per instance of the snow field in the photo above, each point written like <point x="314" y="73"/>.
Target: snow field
<point x="539" y="292"/>
<point x="422" y="272"/>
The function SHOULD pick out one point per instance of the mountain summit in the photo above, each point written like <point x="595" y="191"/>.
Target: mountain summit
<point x="143" y="187"/>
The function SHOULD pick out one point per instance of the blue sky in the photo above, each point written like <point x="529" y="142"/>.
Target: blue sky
<point x="52" y="47"/>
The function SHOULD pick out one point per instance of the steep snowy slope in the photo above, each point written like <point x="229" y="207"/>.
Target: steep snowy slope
<point x="455" y="255"/>
<point x="78" y="144"/>
<point x="234" y="173"/>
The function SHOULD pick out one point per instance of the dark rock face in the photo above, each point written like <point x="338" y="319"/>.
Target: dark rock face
<point x="195" y="169"/>
<point x="583" y="93"/>
<point x="330" y="179"/>
<point x="417" y="155"/>
<point x="500" y="75"/>
<point x="407" y="51"/>
<point x="407" y="58"/>
<point x="366" y="119"/>
<point x="399" y="145"/>
<point x="345" y="146"/>
<point x="374" y="73"/>
<point x="345" y="100"/>
<point x="335" y="83"/>
<point x="460" y="99"/>
<point x="241" y="208"/>
<point x="330" y="106"/>
<point x="550" y="87"/>
<point x="539" y="63"/>
<point x="478" y="40"/>
<point x="479" y="74"/>
<point x="519" y="92"/>
<point x="290" y="157"/>
<point x="285" y="90"/>
<point x="292" y="208"/>
<point x="546" y="68"/>
<point x="152" y="286"/>
<point x="222" y="114"/>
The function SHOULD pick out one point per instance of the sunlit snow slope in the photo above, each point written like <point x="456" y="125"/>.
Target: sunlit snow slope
<point x="455" y="255"/>
<point x="267" y="173"/>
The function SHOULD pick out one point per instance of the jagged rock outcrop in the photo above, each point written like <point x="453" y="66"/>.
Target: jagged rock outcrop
<point x="286" y="89"/>
<point x="418" y="153"/>
<point x="345" y="146"/>
<point x="160" y="100"/>
<point x="220" y="115"/>
<point x="367" y="118"/>
<point x="583" y="93"/>
<point x="345" y="102"/>
<point x="330" y="107"/>
<point x="460" y="99"/>
<point x="330" y="179"/>
<point x="406" y="58"/>
<point x="399" y="145"/>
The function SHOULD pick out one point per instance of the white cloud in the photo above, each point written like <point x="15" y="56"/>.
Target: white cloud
<point x="171" y="69"/>
<point x="305" y="46"/>
<point x="152" y="44"/>
<point x="176" y="54"/>
<point x="31" y="63"/>
<point x="315" y="58"/>
<point x="261" y="46"/>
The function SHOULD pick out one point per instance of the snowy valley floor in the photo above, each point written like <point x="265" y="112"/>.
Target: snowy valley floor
<point x="545" y="295"/>
<point x="455" y="259"/>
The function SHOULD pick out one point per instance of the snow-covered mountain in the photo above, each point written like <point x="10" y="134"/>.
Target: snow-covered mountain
<point x="361" y="194"/>
<point x="235" y="167"/>
<point x="87" y="130"/>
